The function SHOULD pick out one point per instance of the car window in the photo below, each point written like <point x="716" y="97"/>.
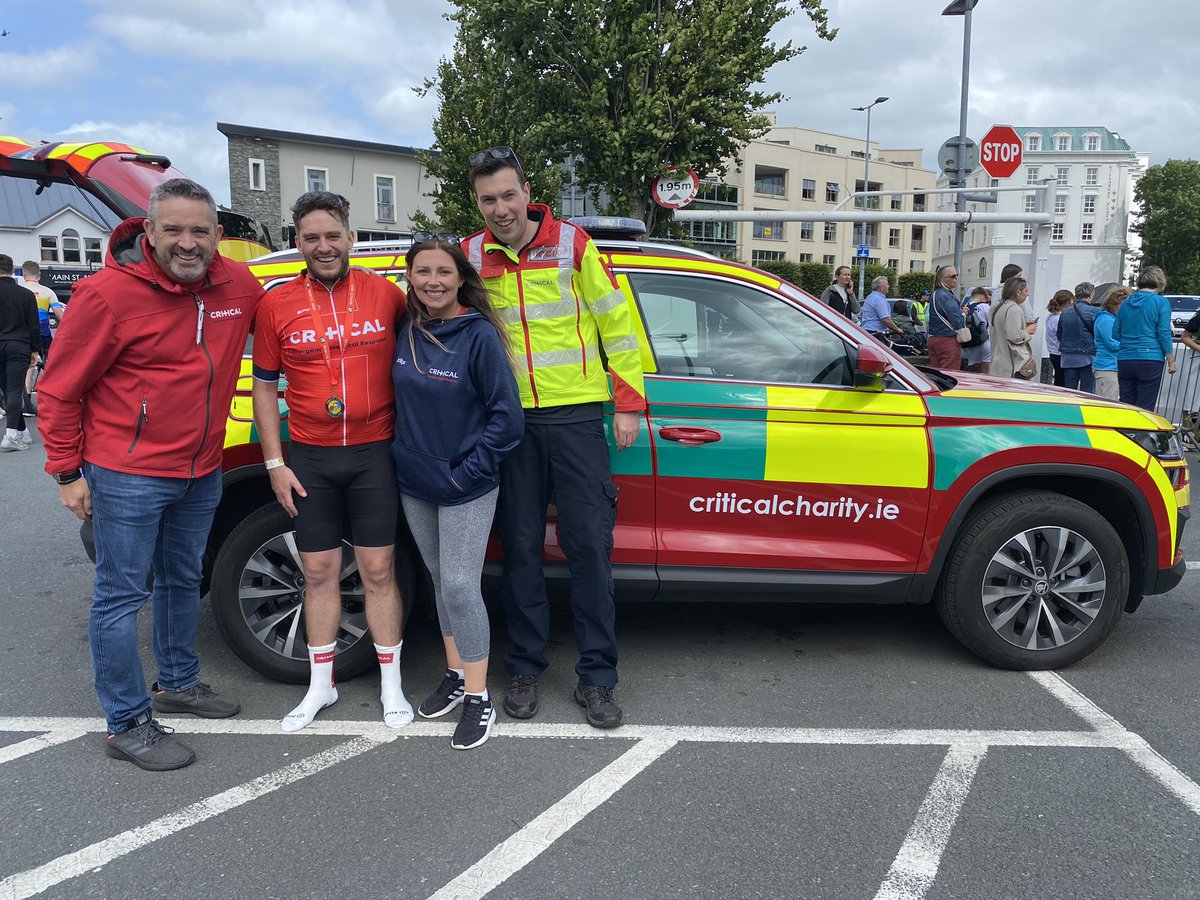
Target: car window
<point x="712" y="328"/>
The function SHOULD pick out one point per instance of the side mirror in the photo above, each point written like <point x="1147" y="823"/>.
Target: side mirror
<point x="871" y="369"/>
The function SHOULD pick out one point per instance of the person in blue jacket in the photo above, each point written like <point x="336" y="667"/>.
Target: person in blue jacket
<point x="1143" y="330"/>
<point x="458" y="414"/>
<point x="1105" y="365"/>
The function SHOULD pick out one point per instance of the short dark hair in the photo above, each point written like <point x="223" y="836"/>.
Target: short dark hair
<point x="490" y="165"/>
<point x="321" y="201"/>
<point x="1009" y="271"/>
<point x="6" y="264"/>
<point x="180" y="189"/>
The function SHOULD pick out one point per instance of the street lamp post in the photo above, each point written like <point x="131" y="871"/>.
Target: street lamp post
<point x="962" y="8"/>
<point x="862" y="266"/>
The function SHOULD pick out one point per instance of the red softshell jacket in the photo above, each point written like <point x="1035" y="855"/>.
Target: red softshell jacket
<point x="144" y="369"/>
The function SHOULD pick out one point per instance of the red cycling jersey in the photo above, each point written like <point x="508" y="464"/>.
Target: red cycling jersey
<point x="350" y="377"/>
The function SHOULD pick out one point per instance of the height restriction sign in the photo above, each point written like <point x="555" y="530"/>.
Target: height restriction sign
<point x="677" y="189"/>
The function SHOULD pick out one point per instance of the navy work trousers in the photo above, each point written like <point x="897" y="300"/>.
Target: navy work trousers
<point x="569" y="460"/>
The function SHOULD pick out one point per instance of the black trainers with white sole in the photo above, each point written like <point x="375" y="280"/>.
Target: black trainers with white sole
<point x="475" y="726"/>
<point x="444" y="698"/>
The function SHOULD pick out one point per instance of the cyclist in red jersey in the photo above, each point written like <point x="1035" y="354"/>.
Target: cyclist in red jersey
<point x="331" y="331"/>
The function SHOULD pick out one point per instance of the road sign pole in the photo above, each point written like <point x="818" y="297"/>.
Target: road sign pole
<point x="960" y="202"/>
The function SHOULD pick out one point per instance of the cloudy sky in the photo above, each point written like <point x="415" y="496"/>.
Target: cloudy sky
<point x="161" y="75"/>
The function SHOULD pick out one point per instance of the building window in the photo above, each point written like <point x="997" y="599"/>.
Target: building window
<point x="1031" y="203"/>
<point x="918" y="203"/>
<point x="49" y="248"/>
<point x="770" y="182"/>
<point x="758" y="257"/>
<point x="718" y="192"/>
<point x="1033" y="142"/>
<point x="70" y="247"/>
<point x="806" y="231"/>
<point x="805" y="257"/>
<point x="893" y="264"/>
<point x="916" y="265"/>
<point x="91" y="251"/>
<point x="897" y="202"/>
<point x="258" y="175"/>
<point x="1092" y="176"/>
<point x="712" y="232"/>
<point x="769" y="231"/>
<point x="1089" y="204"/>
<point x="893" y="237"/>
<point x="1060" y="176"/>
<point x="316" y="179"/>
<point x="858" y="154"/>
<point x="385" y="198"/>
<point x="831" y="191"/>
<point x="831" y="231"/>
<point x="1027" y="233"/>
<point x="825" y="148"/>
<point x="1093" y="143"/>
<point x="1031" y="175"/>
<point x="1060" y="204"/>
<point x="1085" y="233"/>
<point x="918" y="239"/>
<point x="829" y="259"/>
<point x="809" y="190"/>
<point x="1057" y="231"/>
<point x="982" y="269"/>
<point x="1062" y="143"/>
<point x="366" y="234"/>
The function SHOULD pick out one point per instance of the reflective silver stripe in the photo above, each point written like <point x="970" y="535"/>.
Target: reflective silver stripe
<point x="628" y="342"/>
<point x="566" y="261"/>
<point x="564" y="357"/>
<point x="608" y="303"/>
<point x="566" y="307"/>
<point x="475" y="251"/>
<point x="509" y="315"/>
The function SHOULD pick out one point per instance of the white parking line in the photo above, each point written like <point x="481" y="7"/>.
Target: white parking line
<point x="513" y="854"/>
<point x="40" y="742"/>
<point x="915" y="867"/>
<point x="72" y="865"/>
<point x="1135" y="746"/>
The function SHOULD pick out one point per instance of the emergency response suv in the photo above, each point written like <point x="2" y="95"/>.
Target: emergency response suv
<point x="788" y="454"/>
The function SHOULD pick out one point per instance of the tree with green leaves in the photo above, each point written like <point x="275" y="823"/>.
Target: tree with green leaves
<point x="627" y="88"/>
<point x="1169" y="223"/>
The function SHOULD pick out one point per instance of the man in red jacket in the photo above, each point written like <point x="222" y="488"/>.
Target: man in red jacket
<point x="133" y="418"/>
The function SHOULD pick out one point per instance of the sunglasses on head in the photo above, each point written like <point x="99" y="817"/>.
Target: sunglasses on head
<point x="476" y="159"/>
<point x="421" y="237"/>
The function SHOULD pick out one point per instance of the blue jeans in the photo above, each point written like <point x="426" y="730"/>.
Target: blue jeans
<point x="143" y="523"/>
<point x="1139" y="380"/>
<point x="1080" y="379"/>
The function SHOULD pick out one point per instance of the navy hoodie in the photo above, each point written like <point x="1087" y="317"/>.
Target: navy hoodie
<point x="458" y="411"/>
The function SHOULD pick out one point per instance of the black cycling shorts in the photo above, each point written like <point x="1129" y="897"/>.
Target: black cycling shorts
<point x="352" y="493"/>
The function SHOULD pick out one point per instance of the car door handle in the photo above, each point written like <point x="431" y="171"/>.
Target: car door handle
<point x="688" y="435"/>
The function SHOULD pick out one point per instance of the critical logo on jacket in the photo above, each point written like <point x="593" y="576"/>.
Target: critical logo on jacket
<point x="224" y="313"/>
<point x="443" y="374"/>
<point x="548" y="254"/>
<point x="357" y="329"/>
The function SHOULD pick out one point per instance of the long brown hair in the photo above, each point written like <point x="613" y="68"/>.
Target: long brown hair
<point x="471" y="293"/>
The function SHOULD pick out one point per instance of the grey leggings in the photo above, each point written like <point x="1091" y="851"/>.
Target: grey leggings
<point x="452" y="541"/>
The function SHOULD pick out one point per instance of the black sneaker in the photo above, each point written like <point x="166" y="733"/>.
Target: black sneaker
<point x="602" y="710"/>
<point x="149" y="745"/>
<point x="475" y="726"/>
<point x="199" y="700"/>
<point x="521" y="700"/>
<point x="444" y="698"/>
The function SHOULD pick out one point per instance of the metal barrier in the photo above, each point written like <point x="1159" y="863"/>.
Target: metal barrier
<point x="1179" y="395"/>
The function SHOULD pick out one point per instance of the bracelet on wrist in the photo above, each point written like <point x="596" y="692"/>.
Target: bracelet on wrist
<point x="274" y="463"/>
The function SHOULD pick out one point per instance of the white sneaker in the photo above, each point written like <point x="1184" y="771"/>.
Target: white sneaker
<point x="26" y="437"/>
<point x="8" y="444"/>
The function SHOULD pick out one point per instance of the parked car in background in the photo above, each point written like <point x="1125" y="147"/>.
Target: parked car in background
<point x="1183" y="307"/>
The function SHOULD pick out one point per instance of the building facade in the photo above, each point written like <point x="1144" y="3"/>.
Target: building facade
<point x="385" y="183"/>
<point x="1094" y="172"/>
<point x="797" y="169"/>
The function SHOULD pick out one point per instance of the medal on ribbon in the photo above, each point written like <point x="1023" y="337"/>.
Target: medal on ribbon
<point x="334" y="407"/>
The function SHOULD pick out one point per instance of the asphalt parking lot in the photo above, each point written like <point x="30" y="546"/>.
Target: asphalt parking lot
<point x="770" y="751"/>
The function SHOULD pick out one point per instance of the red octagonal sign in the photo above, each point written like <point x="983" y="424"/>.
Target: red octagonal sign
<point x="1000" y="151"/>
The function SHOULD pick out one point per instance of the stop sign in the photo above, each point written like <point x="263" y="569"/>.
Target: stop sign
<point x="1000" y="151"/>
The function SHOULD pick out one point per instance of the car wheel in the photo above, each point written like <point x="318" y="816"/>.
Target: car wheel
<point x="1035" y="581"/>
<point x="257" y="599"/>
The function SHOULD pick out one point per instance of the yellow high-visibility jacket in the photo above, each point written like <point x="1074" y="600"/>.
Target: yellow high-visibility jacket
<point x="561" y="304"/>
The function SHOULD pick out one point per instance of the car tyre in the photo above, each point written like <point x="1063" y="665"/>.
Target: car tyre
<point x="257" y="594"/>
<point x="1034" y="581"/>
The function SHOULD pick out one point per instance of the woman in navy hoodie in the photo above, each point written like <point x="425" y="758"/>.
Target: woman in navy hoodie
<point x="458" y="414"/>
<point x="1143" y="330"/>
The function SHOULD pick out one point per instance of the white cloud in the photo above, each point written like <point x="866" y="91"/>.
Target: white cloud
<point x="50" y="69"/>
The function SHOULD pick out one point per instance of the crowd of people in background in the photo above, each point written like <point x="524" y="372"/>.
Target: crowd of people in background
<point x="1111" y="341"/>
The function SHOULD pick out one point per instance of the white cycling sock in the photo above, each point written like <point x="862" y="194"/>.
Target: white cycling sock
<point x="321" y="690"/>
<point x="397" y="711"/>
<point x="482" y="695"/>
